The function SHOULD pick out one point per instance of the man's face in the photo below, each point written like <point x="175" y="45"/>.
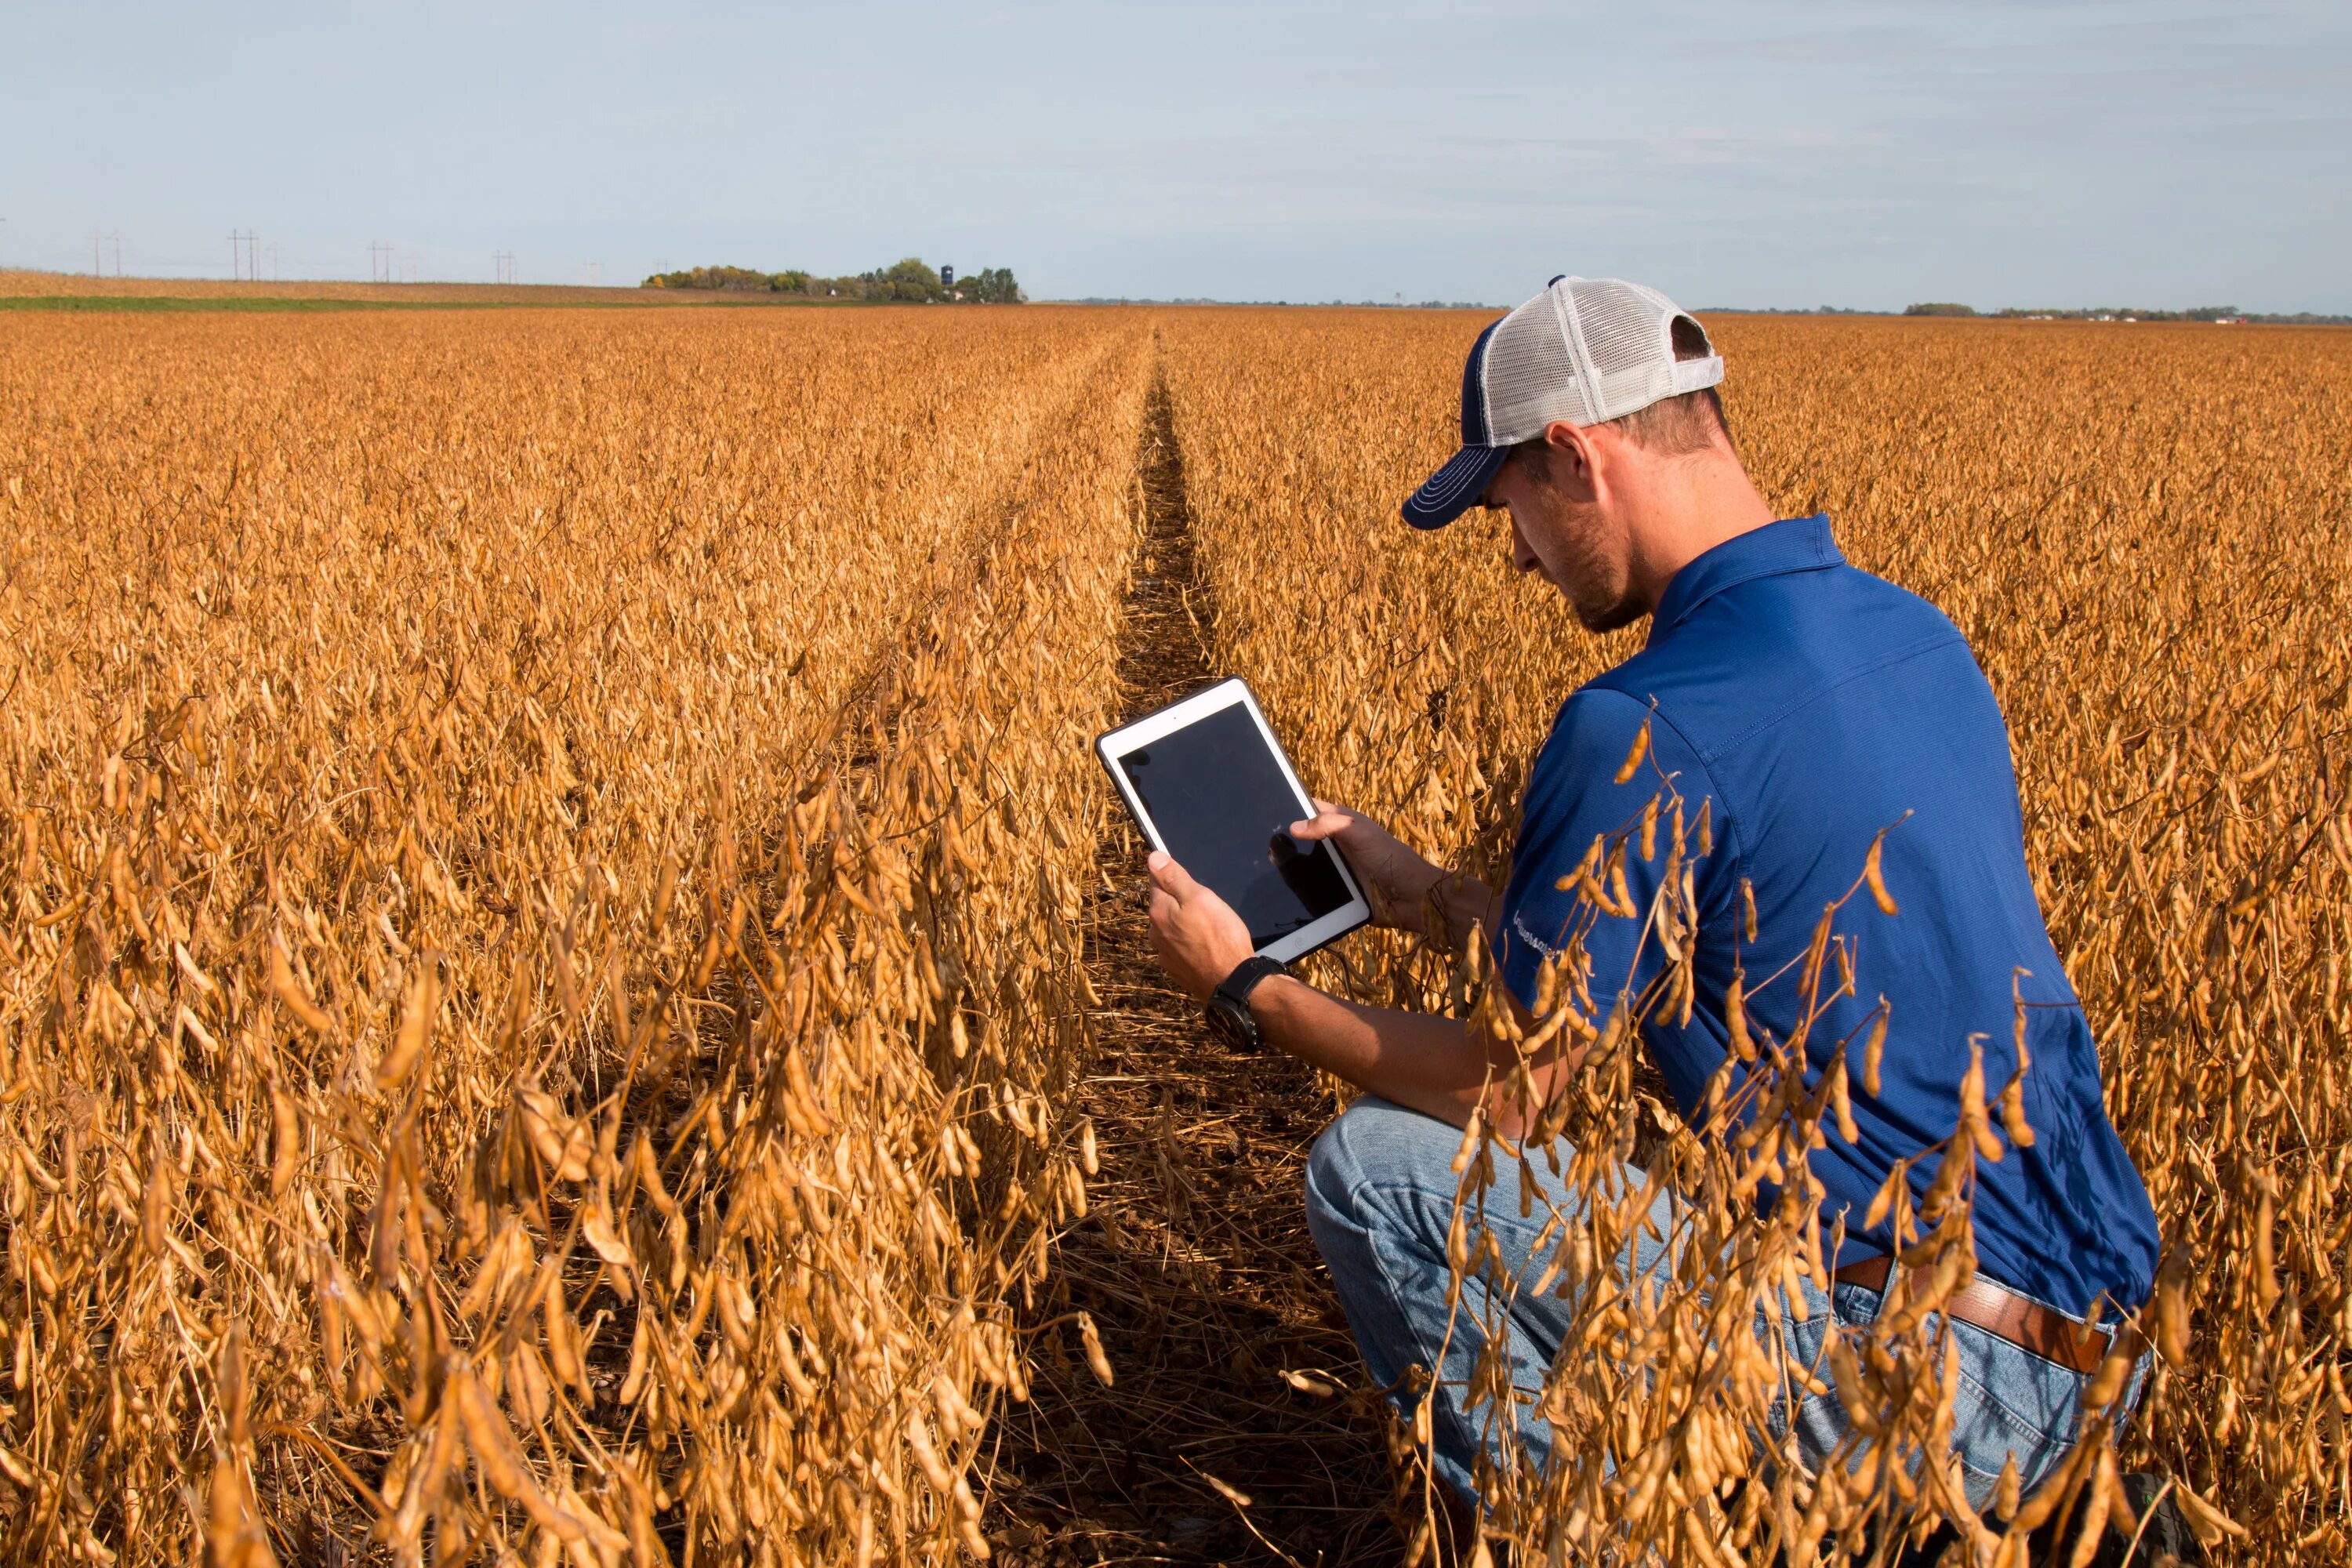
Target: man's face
<point x="1562" y="529"/>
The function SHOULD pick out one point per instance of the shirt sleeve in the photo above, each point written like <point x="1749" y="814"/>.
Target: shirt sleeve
<point x="1579" y="867"/>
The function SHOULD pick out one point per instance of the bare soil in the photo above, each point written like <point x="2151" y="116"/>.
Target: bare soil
<point x="1194" y="1260"/>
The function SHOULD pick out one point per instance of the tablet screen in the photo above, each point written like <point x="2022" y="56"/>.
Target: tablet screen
<point x="1225" y="809"/>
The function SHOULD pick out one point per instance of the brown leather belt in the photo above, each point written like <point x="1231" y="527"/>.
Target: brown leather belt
<point x="2003" y="1312"/>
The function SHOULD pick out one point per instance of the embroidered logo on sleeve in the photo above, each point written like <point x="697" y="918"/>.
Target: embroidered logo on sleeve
<point x="1519" y="925"/>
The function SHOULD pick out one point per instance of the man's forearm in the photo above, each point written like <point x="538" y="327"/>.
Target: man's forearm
<point x="1469" y="904"/>
<point x="1424" y="1062"/>
<point x="1418" y="1060"/>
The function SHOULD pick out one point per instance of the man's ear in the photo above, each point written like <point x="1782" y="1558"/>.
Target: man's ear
<point x="1571" y="461"/>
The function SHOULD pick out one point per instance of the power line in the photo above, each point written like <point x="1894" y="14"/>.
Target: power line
<point x="506" y="264"/>
<point x="379" y="261"/>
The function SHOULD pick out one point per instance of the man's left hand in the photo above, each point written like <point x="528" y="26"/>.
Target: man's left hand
<point x="1198" y="938"/>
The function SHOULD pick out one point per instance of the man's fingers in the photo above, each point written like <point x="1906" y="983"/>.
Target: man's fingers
<point x="1198" y="938"/>
<point x="1169" y="876"/>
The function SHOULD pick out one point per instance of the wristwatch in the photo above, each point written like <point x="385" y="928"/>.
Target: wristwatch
<point x="1228" y="1005"/>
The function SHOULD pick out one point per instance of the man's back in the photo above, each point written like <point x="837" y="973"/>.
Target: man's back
<point x="1816" y="705"/>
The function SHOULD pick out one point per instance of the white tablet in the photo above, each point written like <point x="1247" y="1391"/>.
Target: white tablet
<point x="1208" y="784"/>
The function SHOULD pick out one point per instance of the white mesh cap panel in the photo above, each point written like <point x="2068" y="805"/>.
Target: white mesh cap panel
<point x="1586" y="349"/>
<point x="1531" y="379"/>
<point x="1628" y="337"/>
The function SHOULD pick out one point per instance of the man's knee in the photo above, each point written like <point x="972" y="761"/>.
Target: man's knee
<point x="1375" y="1145"/>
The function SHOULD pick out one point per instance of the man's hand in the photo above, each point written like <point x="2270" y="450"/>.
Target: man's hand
<point x="1396" y="881"/>
<point x="1196" y="933"/>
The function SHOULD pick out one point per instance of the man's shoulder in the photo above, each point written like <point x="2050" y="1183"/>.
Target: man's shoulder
<point x="1605" y="730"/>
<point x="1769" y="646"/>
<point x="1598" y="715"/>
<point x="1831" y="614"/>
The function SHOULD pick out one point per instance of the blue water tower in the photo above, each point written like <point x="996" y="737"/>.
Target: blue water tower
<point x="947" y="277"/>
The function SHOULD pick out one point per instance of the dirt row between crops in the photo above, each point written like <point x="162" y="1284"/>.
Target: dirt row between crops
<point x="1194" y="1260"/>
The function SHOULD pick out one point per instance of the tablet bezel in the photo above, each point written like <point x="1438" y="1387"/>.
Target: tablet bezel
<point x="1233" y="691"/>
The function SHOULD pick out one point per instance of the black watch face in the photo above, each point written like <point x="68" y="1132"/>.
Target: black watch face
<point x="1231" y="1027"/>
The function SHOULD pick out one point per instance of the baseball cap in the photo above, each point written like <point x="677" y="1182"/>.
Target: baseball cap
<point x="1586" y="351"/>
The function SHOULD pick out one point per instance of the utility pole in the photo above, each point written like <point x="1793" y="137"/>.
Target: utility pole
<point x="379" y="261"/>
<point x="244" y="256"/>
<point x="505" y="263"/>
<point x="273" y="261"/>
<point x="96" y="256"/>
<point x="117" y="238"/>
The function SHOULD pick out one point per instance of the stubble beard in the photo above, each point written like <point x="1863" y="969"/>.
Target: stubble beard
<point x="1592" y="580"/>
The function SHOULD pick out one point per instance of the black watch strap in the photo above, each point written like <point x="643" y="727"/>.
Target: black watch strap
<point x="1228" y="1005"/>
<point x="1257" y="966"/>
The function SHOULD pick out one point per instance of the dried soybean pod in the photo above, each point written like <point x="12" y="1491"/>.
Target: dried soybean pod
<point x="290" y="991"/>
<point x="2013" y="1113"/>
<point x="2174" y="1278"/>
<point x="285" y="1140"/>
<point x="664" y="888"/>
<point x="1842" y="1103"/>
<point x="1735" y="1016"/>
<point x="1096" y="1362"/>
<point x="1876" y="878"/>
<point x="418" y="1010"/>
<point x="1632" y="761"/>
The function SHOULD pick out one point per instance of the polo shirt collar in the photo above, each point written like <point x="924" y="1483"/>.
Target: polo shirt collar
<point x="1791" y="545"/>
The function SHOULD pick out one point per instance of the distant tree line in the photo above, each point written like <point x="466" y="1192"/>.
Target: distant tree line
<point x="2126" y="313"/>
<point x="2117" y="312"/>
<point x="1322" y="304"/>
<point x="911" y="280"/>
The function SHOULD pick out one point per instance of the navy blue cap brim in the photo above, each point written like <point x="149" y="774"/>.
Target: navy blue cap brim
<point x="1456" y="487"/>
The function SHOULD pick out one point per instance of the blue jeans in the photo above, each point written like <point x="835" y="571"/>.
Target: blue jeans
<point x="1380" y="1202"/>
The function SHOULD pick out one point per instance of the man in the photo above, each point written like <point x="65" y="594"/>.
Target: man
<point x="1805" y="706"/>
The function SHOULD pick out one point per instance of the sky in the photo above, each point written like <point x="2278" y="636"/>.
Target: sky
<point x="2154" y="154"/>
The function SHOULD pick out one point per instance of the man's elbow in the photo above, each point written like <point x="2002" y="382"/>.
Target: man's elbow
<point x="1519" y="1092"/>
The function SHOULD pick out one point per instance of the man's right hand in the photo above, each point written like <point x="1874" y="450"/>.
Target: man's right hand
<point x="1396" y="881"/>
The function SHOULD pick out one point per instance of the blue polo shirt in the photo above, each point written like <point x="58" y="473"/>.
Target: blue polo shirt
<point x="1812" y="704"/>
